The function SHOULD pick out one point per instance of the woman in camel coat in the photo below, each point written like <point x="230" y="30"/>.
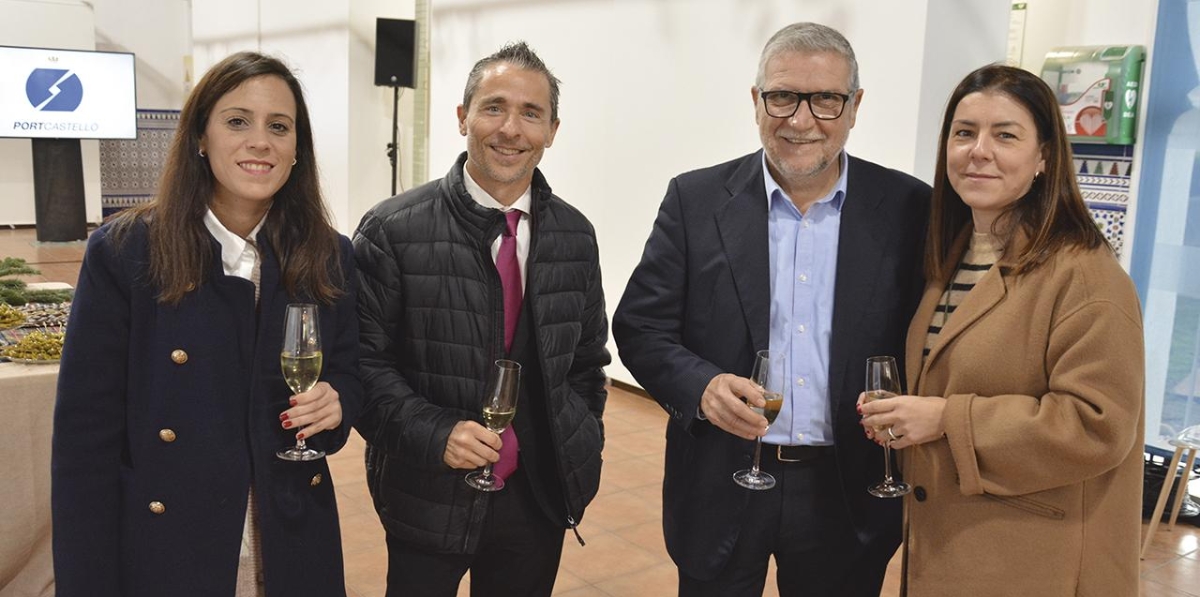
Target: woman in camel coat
<point x="1022" y="438"/>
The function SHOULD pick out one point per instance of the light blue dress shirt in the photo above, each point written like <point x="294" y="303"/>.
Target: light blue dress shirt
<point x="803" y="270"/>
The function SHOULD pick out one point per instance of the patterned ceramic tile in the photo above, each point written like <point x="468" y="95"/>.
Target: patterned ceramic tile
<point x="1104" y="173"/>
<point x="129" y="168"/>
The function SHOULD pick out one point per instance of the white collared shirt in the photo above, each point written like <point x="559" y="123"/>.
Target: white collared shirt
<point x="523" y="203"/>
<point x="238" y="257"/>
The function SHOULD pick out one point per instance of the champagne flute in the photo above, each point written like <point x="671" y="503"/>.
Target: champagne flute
<point x="499" y="408"/>
<point x="768" y="375"/>
<point x="301" y="363"/>
<point x="883" y="382"/>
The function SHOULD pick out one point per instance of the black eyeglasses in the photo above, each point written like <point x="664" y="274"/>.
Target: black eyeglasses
<point x="824" y="105"/>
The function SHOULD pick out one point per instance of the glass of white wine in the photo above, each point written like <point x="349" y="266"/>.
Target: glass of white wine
<point x="301" y="363"/>
<point x="768" y="375"/>
<point x="499" y="408"/>
<point x="883" y="382"/>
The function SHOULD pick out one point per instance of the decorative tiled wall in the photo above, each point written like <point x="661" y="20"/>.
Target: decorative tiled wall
<point x="129" y="168"/>
<point x="1104" y="173"/>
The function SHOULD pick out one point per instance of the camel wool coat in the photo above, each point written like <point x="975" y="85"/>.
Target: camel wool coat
<point x="1036" y="487"/>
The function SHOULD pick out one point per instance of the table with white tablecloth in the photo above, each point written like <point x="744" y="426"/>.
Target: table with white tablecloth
<point x="26" y="422"/>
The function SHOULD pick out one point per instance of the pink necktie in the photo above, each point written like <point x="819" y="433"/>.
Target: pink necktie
<point x="510" y="280"/>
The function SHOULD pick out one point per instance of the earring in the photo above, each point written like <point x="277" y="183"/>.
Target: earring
<point x="201" y="152"/>
<point x="293" y="161"/>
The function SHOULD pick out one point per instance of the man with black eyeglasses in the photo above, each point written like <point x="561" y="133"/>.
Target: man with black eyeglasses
<point x="815" y="255"/>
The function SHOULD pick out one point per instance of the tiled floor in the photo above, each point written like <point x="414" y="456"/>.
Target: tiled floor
<point x="625" y="555"/>
<point x="58" y="262"/>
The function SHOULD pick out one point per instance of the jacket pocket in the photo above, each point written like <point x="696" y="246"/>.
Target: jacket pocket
<point x="1029" y="505"/>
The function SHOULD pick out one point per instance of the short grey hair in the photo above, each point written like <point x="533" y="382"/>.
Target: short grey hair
<point x="520" y="55"/>
<point x="808" y="38"/>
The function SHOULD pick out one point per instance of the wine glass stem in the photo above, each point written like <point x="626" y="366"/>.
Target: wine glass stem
<point x="887" y="464"/>
<point x="301" y="445"/>
<point x="487" y="471"/>
<point x="757" y="454"/>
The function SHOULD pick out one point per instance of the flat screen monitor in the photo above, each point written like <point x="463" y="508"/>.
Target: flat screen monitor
<point x="67" y="94"/>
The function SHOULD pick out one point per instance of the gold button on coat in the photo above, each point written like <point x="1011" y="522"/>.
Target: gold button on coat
<point x="167" y="435"/>
<point x="316" y="480"/>
<point x="179" y="356"/>
<point x="157" y="507"/>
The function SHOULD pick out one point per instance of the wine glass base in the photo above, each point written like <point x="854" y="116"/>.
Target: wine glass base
<point x="298" y="455"/>
<point x="889" y="490"/>
<point x="485" y="483"/>
<point x="758" y="481"/>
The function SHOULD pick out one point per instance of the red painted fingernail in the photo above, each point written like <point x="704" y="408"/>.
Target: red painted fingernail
<point x="292" y="402"/>
<point x="287" y="424"/>
<point x="299" y="436"/>
<point x="283" y="417"/>
<point x="858" y="407"/>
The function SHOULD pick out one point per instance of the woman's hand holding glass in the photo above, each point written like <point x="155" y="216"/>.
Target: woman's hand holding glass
<point x="912" y="419"/>
<point x="314" y="411"/>
<point x="883" y="385"/>
<point x="300" y="360"/>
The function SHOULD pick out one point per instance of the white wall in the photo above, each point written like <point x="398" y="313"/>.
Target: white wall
<point x="62" y="24"/>
<point x="159" y="49"/>
<point x="959" y="37"/>
<point x="653" y="88"/>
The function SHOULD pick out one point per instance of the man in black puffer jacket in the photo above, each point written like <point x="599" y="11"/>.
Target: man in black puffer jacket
<point x="432" y="309"/>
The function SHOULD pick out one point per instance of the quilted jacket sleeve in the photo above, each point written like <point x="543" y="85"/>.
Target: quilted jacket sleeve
<point x="395" y="417"/>
<point x="586" y="376"/>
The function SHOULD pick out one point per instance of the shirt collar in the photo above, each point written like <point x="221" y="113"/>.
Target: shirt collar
<point x="836" y="196"/>
<point x="482" y="197"/>
<point x="232" y="245"/>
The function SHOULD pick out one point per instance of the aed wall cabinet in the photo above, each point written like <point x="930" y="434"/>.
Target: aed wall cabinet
<point x="1098" y="90"/>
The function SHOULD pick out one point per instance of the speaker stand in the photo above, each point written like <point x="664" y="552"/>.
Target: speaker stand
<point x="393" y="148"/>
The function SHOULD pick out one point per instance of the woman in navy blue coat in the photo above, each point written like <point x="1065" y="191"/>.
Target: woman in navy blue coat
<point x="171" y="403"/>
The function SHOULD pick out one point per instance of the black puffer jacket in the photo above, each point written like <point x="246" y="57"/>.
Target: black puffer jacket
<point x="431" y="313"/>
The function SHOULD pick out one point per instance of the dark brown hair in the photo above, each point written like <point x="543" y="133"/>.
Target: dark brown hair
<point x="1052" y="214"/>
<point x="297" y="227"/>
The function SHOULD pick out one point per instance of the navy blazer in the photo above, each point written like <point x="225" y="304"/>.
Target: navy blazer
<point x="698" y="305"/>
<point x="179" y="406"/>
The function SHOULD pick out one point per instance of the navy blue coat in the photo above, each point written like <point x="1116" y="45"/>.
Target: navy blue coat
<point x="137" y="421"/>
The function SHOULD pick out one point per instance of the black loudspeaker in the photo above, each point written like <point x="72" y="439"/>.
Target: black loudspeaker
<point x="395" y="52"/>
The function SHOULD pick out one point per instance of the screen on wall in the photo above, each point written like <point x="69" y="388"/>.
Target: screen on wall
<point x="67" y="94"/>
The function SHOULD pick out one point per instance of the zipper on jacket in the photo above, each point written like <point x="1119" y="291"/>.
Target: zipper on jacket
<point x="475" y="503"/>
<point x="575" y="529"/>
<point x="537" y="351"/>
